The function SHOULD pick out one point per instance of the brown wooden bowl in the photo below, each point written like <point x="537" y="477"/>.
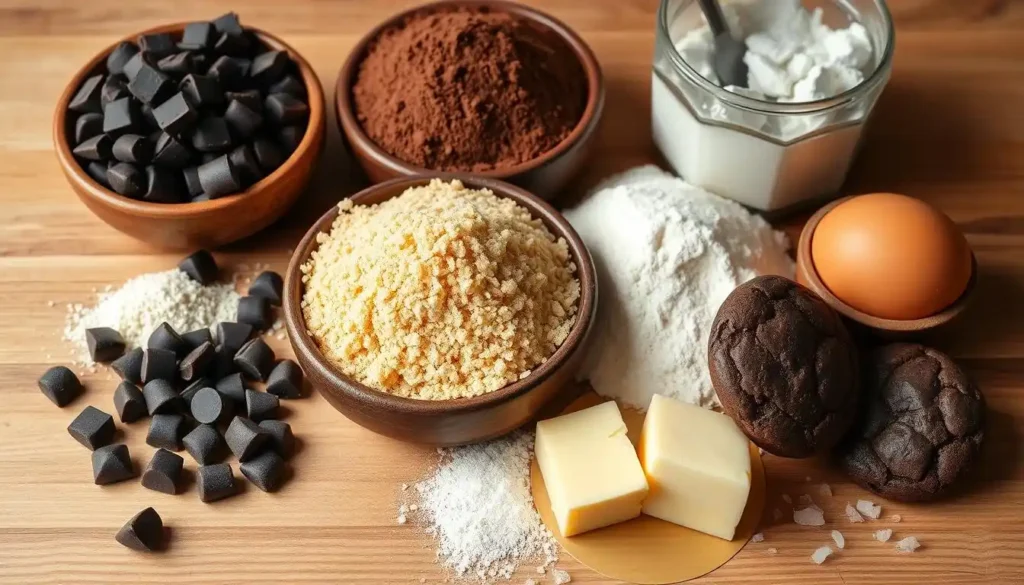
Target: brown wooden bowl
<point x="545" y="175"/>
<point x="204" y="224"/>
<point x="445" y="422"/>
<point x="807" y="275"/>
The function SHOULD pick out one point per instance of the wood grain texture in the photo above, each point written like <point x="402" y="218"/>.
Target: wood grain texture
<point x="948" y="129"/>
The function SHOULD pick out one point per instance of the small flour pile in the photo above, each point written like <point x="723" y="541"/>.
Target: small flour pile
<point x="667" y="254"/>
<point x="146" y="301"/>
<point x="479" y="507"/>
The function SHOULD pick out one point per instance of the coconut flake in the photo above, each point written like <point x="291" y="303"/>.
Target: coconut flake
<point x="821" y="554"/>
<point x="852" y="514"/>
<point x="908" y="545"/>
<point x="883" y="535"/>
<point x="869" y="509"/>
<point x="809" y="517"/>
<point x="839" y="538"/>
<point x="825" y="490"/>
<point x="759" y="537"/>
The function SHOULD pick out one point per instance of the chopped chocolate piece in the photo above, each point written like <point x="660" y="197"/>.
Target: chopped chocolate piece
<point x="205" y="444"/>
<point x="132" y="148"/>
<point x="232" y="386"/>
<point x="269" y="67"/>
<point x="211" y="407"/>
<point x="281" y="438"/>
<point x="134" y="64"/>
<point x="144" y="532"/>
<point x="191" y="176"/>
<point x="202" y="90"/>
<point x="197" y="337"/>
<point x="211" y="135"/>
<point x="197" y="362"/>
<point x="105" y="344"/>
<point x="150" y="85"/>
<point x="200" y="267"/>
<point x="149" y="120"/>
<point x="230" y="71"/>
<point x="60" y="385"/>
<point x="200" y="61"/>
<point x="245" y="438"/>
<point x="87" y="126"/>
<point x="111" y="464"/>
<point x="177" y="64"/>
<point x="255" y="311"/>
<point x="285" y="380"/>
<point x="129" y="402"/>
<point x="158" y="364"/>
<point x="215" y="482"/>
<point x="291" y="137"/>
<point x="176" y="115"/>
<point x="161" y="398"/>
<point x="119" y="56"/>
<point x="190" y="391"/>
<point x="268" y="154"/>
<point x="268" y="285"/>
<point x="285" y="110"/>
<point x="163" y="472"/>
<point x="95" y="148"/>
<point x="232" y="335"/>
<point x="265" y="471"/>
<point x="291" y="86"/>
<point x="197" y="36"/>
<point x="171" y="153"/>
<point x="208" y="157"/>
<point x="260" y="406"/>
<point x="241" y="119"/>
<point x="98" y="171"/>
<point x="93" y="428"/>
<point x="165" y="337"/>
<point x="126" y="179"/>
<point x="87" y="98"/>
<point x="162" y="186"/>
<point x="255" y="359"/>
<point x="234" y="45"/>
<point x="129" y="366"/>
<point x="157" y="44"/>
<point x="121" y="117"/>
<point x="228" y="23"/>
<point x="223" y="363"/>
<point x="166" y="431"/>
<point x="245" y="164"/>
<point x="219" y="178"/>
<point x="249" y="98"/>
<point x="114" y="88"/>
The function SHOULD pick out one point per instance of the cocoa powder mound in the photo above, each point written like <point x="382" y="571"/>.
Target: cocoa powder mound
<point x="468" y="89"/>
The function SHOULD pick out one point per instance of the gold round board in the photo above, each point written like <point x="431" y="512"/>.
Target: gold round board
<point x="647" y="550"/>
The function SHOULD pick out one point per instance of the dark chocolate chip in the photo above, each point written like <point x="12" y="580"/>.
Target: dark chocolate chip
<point x="161" y="398"/>
<point x="165" y="337"/>
<point x="211" y="135"/>
<point x="245" y="438"/>
<point x="158" y="364"/>
<point x="245" y="164"/>
<point x="87" y="98"/>
<point x="163" y="472"/>
<point x="232" y="386"/>
<point x="134" y="64"/>
<point x="163" y="186"/>
<point x="126" y="179"/>
<point x="176" y="115"/>
<point x="144" y="532"/>
<point x="198" y="337"/>
<point x="112" y="464"/>
<point x="114" y="88"/>
<point x="232" y="335"/>
<point x="191" y="176"/>
<point x="87" y="126"/>
<point x="98" y="171"/>
<point x="268" y="154"/>
<point x="129" y="402"/>
<point x="157" y="44"/>
<point x="268" y="285"/>
<point x="200" y="267"/>
<point x="242" y="120"/>
<point x="202" y="90"/>
<point x="223" y="363"/>
<point x="96" y="148"/>
<point x="249" y="98"/>
<point x="269" y="67"/>
<point x="215" y="482"/>
<point x="150" y="85"/>
<point x="166" y="431"/>
<point x="281" y="438"/>
<point x="260" y="406"/>
<point x="177" y="64"/>
<point x="228" y="23"/>
<point x="60" y="385"/>
<point x="129" y="366"/>
<point x="285" y="109"/>
<point x="105" y="344"/>
<point x="205" y="445"/>
<point x="190" y="391"/>
<point x="219" y="177"/>
<point x="254" y="311"/>
<point x="285" y="380"/>
<point x="291" y="137"/>
<point x="121" y="117"/>
<point x="255" y="359"/>
<point x="211" y="407"/>
<point x="197" y="362"/>
<point x="265" y="471"/>
<point x="289" y="85"/>
<point x="234" y="45"/>
<point x="171" y="153"/>
<point x="148" y="119"/>
<point x="119" y="56"/>
<point x="132" y="148"/>
<point x="93" y="428"/>
<point x="232" y="72"/>
<point x="197" y="36"/>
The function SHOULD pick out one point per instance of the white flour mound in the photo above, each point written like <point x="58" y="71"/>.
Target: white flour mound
<point x="667" y="254"/>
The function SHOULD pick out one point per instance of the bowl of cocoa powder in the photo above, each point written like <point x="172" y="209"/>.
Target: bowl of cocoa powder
<point x="490" y="88"/>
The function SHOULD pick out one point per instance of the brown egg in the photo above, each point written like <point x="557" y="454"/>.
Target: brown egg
<point x="891" y="256"/>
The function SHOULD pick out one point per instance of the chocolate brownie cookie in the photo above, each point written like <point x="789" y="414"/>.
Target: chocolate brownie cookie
<point x="784" y="367"/>
<point x="921" y="428"/>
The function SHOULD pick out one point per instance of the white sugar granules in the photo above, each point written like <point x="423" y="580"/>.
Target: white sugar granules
<point x="147" y="300"/>
<point x="479" y="507"/>
<point x="667" y="254"/>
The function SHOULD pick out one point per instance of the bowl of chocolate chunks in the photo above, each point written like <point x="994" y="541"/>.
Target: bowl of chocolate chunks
<point x="191" y="134"/>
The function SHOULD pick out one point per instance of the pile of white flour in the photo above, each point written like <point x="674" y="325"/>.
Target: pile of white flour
<point x="667" y="254"/>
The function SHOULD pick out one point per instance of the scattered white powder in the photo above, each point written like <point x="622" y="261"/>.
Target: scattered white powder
<point x="479" y="507"/>
<point x="869" y="509"/>
<point x="839" y="539"/>
<point x="147" y="300"/>
<point x="560" y="577"/>
<point x="541" y="570"/>
<point x="667" y="254"/>
<point x="825" y="490"/>
<point x="759" y="537"/>
<point x="809" y="517"/>
<point x="530" y="582"/>
<point x="883" y="535"/>
<point x="772" y="551"/>
<point x="853" y="514"/>
<point x="821" y="554"/>
<point x="908" y="544"/>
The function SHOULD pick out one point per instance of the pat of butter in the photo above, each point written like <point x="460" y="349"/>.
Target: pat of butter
<point x="698" y="466"/>
<point x="590" y="468"/>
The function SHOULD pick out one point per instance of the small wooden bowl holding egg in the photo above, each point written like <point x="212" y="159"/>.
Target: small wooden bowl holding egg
<point x="891" y="263"/>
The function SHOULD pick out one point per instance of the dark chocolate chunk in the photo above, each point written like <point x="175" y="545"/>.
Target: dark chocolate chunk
<point x="285" y="380"/>
<point x="112" y="464"/>
<point x="265" y="471"/>
<point x="120" y="56"/>
<point x="291" y="86"/>
<point x="197" y="36"/>
<point x="219" y="177"/>
<point x="191" y="176"/>
<point x="165" y="337"/>
<point x="157" y="44"/>
<point x="87" y="126"/>
<point x="163" y="472"/>
<point x="176" y="115"/>
<point x="223" y="363"/>
<point x="129" y="402"/>
<point x="158" y="364"/>
<point x="166" y="431"/>
<point x="249" y="98"/>
<point x="132" y="148"/>
<point x="291" y="137"/>
<point x="281" y="438"/>
<point x="190" y="391"/>
<point x="197" y="362"/>
<point x="205" y="445"/>
<point x="234" y="45"/>
<point x="161" y="398"/>
<point x="215" y="482"/>
<point x="98" y="171"/>
<point x="198" y="337"/>
<point x="231" y="72"/>
<point x="105" y="344"/>
<point x="93" y="428"/>
<point x="126" y="179"/>
<point x="232" y="335"/>
<point x="211" y="407"/>
<point x="208" y="157"/>
<point x="87" y="98"/>
<point x="260" y="406"/>
<point x="245" y="438"/>
<point x="60" y="385"/>
<point x="269" y="67"/>
<point x="150" y="85"/>
<point x="144" y="532"/>
<point x="171" y="153"/>
<point x="121" y="117"/>
<point x="285" y="110"/>
<point x="202" y="90"/>
<point x="268" y="285"/>
<point x="255" y="359"/>
<point x="114" y="88"/>
<point x="242" y="120"/>
<point x="148" y="119"/>
<point x="245" y="164"/>
<point x="228" y="23"/>
<point x="162" y="186"/>
<point x="255" y="311"/>
<point x="200" y="267"/>
<point x="232" y="386"/>
<point x="134" y="64"/>
<point x="211" y="135"/>
<point x="268" y="154"/>
<point x="177" y="64"/>
<point x="96" y="148"/>
<point x="129" y="366"/>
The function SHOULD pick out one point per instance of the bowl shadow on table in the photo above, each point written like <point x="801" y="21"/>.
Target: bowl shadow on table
<point x="1000" y="454"/>
<point x="989" y="319"/>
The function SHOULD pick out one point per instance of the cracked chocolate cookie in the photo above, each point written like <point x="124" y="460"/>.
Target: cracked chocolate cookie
<point x="784" y="367"/>
<point x="921" y="427"/>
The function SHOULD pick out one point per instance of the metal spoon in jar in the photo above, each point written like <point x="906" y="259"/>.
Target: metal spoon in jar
<point x="729" y="51"/>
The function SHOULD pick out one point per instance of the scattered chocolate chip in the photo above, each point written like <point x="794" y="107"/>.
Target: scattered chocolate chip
<point x="197" y="362"/>
<point x="260" y="406"/>
<point x="205" y="444"/>
<point x="177" y="64"/>
<point x="134" y="64"/>
<point x="223" y="363"/>
<point x="158" y="364"/>
<point x="88" y="126"/>
<point x="166" y="431"/>
<point x="202" y="90"/>
<point x="246" y="167"/>
<point x="233" y="335"/>
<point x="150" y="85"/>
<point x="200" y="267"/>
<point x="98" y="172"/>
<point x="60" y="385"/>
<point x="93" y="428"/>
<point x="219" y="178"/>
<point x="126" y="179"/>
<point x="198" y="36"/>
<point x="191" y="175"/>
<point x="111" y="464"/>
<point x="268" y="285"/>
<point x="129" y="366"/>
<point x="171" y="153"/>
<point x="132" y="148"/>
<point x="242" y="120"/>
<point x="162" y="186"/>
<point x="105" y="344"/>
<point x="197" y="337"/>
<point x="119" y="56"/>
<point x="211" y="407"/>
<point x="87" y="98"/>
<point x="255" y="311"/>
<point x="285" y="109"/>
<point x="235" y="45"/>
<point x="268" y="154"/>
<point x="215" y="482"/>
<point x="211" y="135"/>
<point x="231" y="72"/>
<point x="176" y="115"/>
<point x="281" y="438"/>
<point x="165" y="337"/>
<point x="157" y="44"/>
<point x="289" y="85"/>
<point x="121" y="117"/>
<point x="144" y="532"/>
<point x="163" y="472"/>
<point x="269" y="67"/>
<point x="160" y="396"/>
<point x="255" y="359"/>
<point x="190" y="391"/>
<point x="265" y="471"/>
<point x="95" y="148"/>
<point x="245" y="438"/>
<point x="233" y="387"/>
<point x="285" y="380"/>
<point x="114" y="88"/>
<point x="250" y="98"/>
<point x="129" y="402"/>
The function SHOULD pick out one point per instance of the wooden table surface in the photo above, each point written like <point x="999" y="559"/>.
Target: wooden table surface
<point x="949" y="129"/>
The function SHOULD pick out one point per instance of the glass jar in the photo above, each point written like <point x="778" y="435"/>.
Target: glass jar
<point x="764" y="154"/>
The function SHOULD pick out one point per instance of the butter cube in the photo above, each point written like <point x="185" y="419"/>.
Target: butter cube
<point x="698" y="466"/>
<point x="590" y="468"/>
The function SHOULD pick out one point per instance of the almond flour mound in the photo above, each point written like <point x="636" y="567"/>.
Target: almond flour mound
<point x="442" y="292"/>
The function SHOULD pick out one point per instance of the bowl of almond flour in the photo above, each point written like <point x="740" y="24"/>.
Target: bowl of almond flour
<point x="443" y="311"/>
